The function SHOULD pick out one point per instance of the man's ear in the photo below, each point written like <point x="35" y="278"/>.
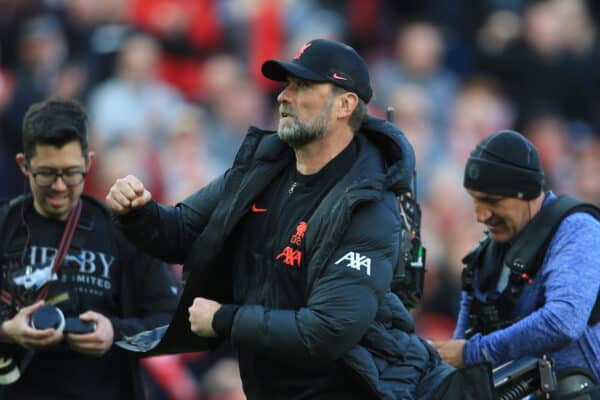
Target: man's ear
<point x="20" y="158"/>
<point x="91" y="157"/>
<point x="348" y="103"/>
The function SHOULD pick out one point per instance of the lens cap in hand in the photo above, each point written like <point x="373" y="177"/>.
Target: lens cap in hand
<point x="46" y="317"/>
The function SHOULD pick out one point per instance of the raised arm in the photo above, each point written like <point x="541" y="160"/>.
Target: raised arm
<point x="166" y="232"/>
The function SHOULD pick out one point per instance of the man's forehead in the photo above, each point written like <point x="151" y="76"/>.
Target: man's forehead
<point x="70" y="153"/>
<point x="294" y="79"/>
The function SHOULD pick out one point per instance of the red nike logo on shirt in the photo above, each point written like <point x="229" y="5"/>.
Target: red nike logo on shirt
<point x="255" y="209"/>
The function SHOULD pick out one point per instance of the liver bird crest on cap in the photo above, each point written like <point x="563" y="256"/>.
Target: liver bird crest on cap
<point x="302" y="50"/>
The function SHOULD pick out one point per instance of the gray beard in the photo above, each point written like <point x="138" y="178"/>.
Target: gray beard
<point x="297" y="134"/>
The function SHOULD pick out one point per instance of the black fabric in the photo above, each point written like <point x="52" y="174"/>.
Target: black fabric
<point x="223" y="319"/>
<point x="506" y="164"/>
<point x="469" y="383"/>
<point x="322" y="60"/>
<point x="270" y="260"/>
<point x="105" y="275"/>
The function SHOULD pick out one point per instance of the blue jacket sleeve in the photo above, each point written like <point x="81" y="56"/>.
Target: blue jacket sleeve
<point x="342" y="303"/>
<point x="462" y="324"/>
<point x="569" y="280"/>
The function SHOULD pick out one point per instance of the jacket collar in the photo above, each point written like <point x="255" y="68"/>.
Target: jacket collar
<point x="381" y="136"/>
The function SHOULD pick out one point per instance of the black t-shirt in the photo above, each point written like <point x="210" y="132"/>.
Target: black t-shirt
<point x="89" y="274"/>
<point x="269" y="268"/>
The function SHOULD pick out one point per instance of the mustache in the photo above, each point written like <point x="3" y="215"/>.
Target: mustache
<point x="493" y="221"/>
<point x="287" y="110"/>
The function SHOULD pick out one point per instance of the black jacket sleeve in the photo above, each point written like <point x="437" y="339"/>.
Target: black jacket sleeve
<point x="168" y="232"/>
<point x="148" y="293"/>
<point x="342" y="303"/>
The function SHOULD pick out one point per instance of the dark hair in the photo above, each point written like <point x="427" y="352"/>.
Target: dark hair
<point x="55" y="122"/>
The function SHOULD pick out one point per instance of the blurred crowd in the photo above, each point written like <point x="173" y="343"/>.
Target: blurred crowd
<point x="172" y="86"/>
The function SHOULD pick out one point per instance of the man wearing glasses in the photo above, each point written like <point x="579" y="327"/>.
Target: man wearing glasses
<point x="60" y="248"/>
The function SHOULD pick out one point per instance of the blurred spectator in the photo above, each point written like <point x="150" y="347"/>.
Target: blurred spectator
<point x="550" y="134"/>
<point x="94" y="31"/>
<point x="134" y="103"/>
<point x="582" y="46"/>
<point x="9" y="173"/>
<point x="42" y="51"/>
<point x="413" y="108"/>
<point x="186" y="160"/>
<point x="32" y="76"/>
<point x="233" y="103"/>
<point x="480" y="108"/>
<point x="222" y="381"/>
<point x="533" y="69"/>
<point x="188" y="30"/>
<point x="418" y="59"/>
<point x="587" y="165"/>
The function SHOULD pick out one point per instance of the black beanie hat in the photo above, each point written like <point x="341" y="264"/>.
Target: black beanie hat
<point x="505" y="164"/>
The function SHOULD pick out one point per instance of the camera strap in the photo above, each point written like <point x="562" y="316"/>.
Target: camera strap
<point x="65" y="243"/>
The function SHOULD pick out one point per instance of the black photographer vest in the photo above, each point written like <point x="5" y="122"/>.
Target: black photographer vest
<point x="524" y="258"/>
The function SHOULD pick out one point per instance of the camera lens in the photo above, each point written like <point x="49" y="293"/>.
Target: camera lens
<point x="48" y="316"/>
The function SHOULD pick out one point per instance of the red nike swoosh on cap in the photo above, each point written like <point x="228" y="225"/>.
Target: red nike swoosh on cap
<point x="336" y="76"/>
<point x="255" y="209"/>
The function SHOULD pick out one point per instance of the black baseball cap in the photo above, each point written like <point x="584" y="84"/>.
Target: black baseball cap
<point x="322" y="60"/>
<point x="506" y="164"/>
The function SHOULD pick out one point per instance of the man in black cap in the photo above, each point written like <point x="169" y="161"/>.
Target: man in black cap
<point x="530" y="288"/>
<point x="291" y="253"/>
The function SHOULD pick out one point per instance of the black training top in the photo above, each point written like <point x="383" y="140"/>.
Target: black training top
<point x="270" y="270"/>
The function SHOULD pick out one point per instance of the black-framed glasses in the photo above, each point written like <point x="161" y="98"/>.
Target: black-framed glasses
<point x="70" y="178"/>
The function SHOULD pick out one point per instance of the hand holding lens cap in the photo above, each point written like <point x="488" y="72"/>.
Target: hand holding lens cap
<point x="48" y="316"/>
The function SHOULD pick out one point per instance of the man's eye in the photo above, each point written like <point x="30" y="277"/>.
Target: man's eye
<point x="71" y="174"/>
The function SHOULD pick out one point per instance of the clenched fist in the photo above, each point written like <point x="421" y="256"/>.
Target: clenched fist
<point x="202" y="312"/>
<point x="127" y="194"/>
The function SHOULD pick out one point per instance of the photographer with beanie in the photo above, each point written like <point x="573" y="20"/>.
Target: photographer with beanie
<point x="530" y="287"/>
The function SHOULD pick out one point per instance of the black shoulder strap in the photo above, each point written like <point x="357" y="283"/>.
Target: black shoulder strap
<point x="87" y="221"/>
<point x="527" y="252"/>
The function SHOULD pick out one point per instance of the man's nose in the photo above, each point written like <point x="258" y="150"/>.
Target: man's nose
<point x="482" y="213"/>
<point x="284" y="95"/>
<point x="59" y="184"/>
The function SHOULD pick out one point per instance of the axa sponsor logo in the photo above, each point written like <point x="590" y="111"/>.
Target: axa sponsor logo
<point x="356" y="261"/>
<point x="292" y="257"/>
